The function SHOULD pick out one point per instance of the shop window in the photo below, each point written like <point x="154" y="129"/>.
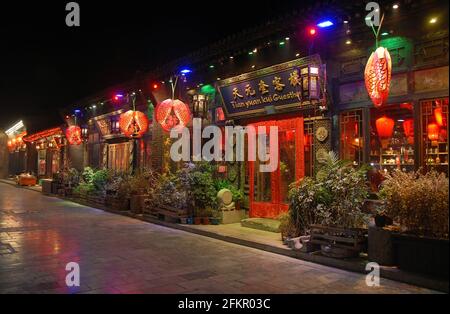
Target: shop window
<point x="434" y="119"/>
<point x="55" y="161"/>
<point x="115" y="126"/>
<point x="42" y="164"/>
<point x="352" y="136"/>
<point x="392" y="137"/>
<point x="309" y="148"/>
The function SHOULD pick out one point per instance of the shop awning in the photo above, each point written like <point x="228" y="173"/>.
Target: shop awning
<point x="43" y="134"/>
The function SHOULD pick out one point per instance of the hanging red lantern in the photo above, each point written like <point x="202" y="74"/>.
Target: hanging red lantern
<point x="433" y="131"/>
<point x="171" y="113"/>
<point x="408" y="127"/>
<point x="133" y="124"/>
<point x="443" y="135"/>
<point x="377" y="76"/>
<point x="385" y="127"/>
<point x="439" y="116"/>
<point x="73" y="135"/>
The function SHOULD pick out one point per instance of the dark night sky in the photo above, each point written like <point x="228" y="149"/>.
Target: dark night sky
<point x="45" y="65"/>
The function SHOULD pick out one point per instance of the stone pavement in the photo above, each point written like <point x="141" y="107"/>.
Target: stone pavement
<point x="39" y="235"/>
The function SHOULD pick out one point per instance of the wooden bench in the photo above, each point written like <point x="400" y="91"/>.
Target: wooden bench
<point x="351" y="239"/>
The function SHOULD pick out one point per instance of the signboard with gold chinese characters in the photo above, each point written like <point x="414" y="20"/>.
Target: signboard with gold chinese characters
<point x="289" y="86"/>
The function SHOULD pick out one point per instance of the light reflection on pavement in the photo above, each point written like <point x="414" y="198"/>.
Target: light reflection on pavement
<point x="39" y="235"/>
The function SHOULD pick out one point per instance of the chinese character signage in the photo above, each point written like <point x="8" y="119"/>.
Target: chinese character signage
<point x="279" y="87"/>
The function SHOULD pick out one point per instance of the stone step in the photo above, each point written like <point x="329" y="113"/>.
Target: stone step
<point x="265" y="224"/>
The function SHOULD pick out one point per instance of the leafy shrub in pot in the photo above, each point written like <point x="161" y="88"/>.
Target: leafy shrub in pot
<point x="334" y="197"/>
<point x="418" y="203"/>
<point x="329" y="207"/>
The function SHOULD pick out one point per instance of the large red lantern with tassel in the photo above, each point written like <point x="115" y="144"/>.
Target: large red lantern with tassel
<point x="385" y="127"/>
<point x="171" y="113"/>
<point x="433" y="131"/>
<point x="133" y="123"/>
<point x="377" y="76"/>
<point x="408" y="127"/>
<point x="73" y="135"/>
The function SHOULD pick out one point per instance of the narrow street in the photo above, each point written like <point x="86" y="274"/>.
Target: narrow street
<point x="39" y="235"/>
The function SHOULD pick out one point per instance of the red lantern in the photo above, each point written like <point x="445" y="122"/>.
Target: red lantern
<point x="439" y="116"/>
<point x="377" y="76"/>
<point x="443" y="135"/>
<point x="73" y="135"/>
<point x="385" y="127"/>
<point x="433" y="131"/>
<point x="133" y="124"/>
<point x="171" y="113"/>
<point x="408" y="127"/>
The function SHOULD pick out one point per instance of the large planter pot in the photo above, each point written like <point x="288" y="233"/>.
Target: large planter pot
<point x="380" y="248"/>
<point x="137" y="203"/>
<point x="96" y="199"/>
<point x="47" y="186"/>
<point x="55" y="187"/>
<point x="120" y="204"/>
<point x="423" y="255"/>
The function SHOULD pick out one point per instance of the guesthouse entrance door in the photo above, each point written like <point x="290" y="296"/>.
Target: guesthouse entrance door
<point x="269" y="191"/>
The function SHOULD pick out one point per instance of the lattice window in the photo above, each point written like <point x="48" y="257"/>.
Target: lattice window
<point x="351" y="136"/>
<point x="434" y="135"/>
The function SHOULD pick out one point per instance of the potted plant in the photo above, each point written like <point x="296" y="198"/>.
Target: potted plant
<point x="198" y="218"/>
<point x="287" y="228"/>
<point x="139" y="189"/>
<point x="122" y="200"/>
<point x="418" y="204"/>
<point x="196" y="179"/>
<point x="329" y="207"/>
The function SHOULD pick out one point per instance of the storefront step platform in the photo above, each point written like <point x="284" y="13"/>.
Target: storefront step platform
<point x="265" y="224"/>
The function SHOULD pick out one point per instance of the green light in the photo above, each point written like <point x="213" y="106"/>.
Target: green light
<point x="211" y="66"/>
<point x="208" y="90"/>
<point x="250" y="53"/>
<point x="384" y="34"/>
<point x="282" y="43"/>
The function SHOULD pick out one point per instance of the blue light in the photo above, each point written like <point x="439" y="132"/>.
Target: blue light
<point x="185" y="71"/>
<point x="324" y="24"/>
<point x="77" y="111"/>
